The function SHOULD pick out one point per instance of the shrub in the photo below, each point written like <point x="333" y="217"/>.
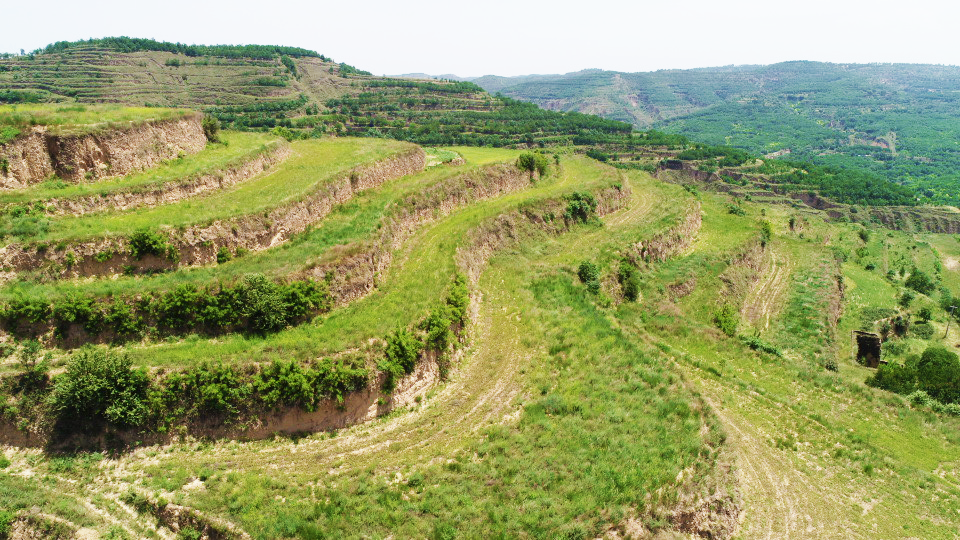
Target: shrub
<point x="6" y="521"/>
<point x="98" y="386"/>
<point x="437" y="327"/>
<point x="146" y="242"/>
<point x="758" y="344"/>
<point x="211" y="128"/>
<point x="598" y="155"/>
<point x="533" y="161"/>
<point x="204" y="389"/>
<point x="77" y="309"/>
<point x="920" y="282"/>
<point x="766" y="233"/>
<point x="893" y="377"/>
<point x="727" y="318"/>
<point x="589" y="274"/>
<point x="938" y="374"/>
<point x="285" y="383"/>
<point x="630" y="281"/>
<point x="403" y="349"/>
<point x="922" y="330"/>
<point x="736" y="210"/>
<point x="223" y="255"/>
<point x="580" y="207"/>
<point x="459" y="299"/>
<point x="925" y="314"/>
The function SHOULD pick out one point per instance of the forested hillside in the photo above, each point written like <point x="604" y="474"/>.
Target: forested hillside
<point x="901" y="121"/>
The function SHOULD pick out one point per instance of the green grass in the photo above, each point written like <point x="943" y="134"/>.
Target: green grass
<point x="601" y="425"/>
<point x="313" y="163"/>
<point x="79" y="119"/>
<point x="235" y="148"/>
<point x="352" y="223"/>
<point x="412" y="285"/>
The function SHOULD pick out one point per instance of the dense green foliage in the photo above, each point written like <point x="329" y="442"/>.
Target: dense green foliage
<point x="126" y="44"/>
<point x="893" y="121"/>
<point x="936" y="372"/>
<point x="100" y="387"/>
<point x="254" y="305"/>
<point x="533" y="162"/>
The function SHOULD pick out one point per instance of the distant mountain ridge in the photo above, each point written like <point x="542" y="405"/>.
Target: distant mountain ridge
<point x="899" y="120"/>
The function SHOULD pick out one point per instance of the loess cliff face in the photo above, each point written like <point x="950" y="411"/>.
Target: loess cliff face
<point x="38" y="155"/>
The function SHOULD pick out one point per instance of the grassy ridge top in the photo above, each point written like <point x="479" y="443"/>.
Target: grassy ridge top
<point x="76" y="119"/>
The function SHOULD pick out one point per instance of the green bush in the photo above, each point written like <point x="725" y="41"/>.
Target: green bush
<point x="588" y="272"/>
<point x="938" y="374"/>
<point x="920" y="282"/>
<point x="581" y="207"/>
<point x="629" y="279"/>
<point x="533" y="161"/>
<point x="758" y="344"/>
<point x="223" y="255"/>
<point x="766" y="233"/>
<point x="6" y="522"/>
<point x="98" y="386"/>
<point x="459" y="299"/>
<point x="893" y="377"/>
<point x="922" y="330"/>
<point x="727" y="318"/>
<point x="403" y="349"/>
<point x="146" y="242"/>
<point x="211" y="128"/>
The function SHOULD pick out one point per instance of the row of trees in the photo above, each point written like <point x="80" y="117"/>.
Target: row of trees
<point x="127" y="44"/>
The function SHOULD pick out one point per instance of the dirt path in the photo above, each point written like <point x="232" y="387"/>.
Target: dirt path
<point x="765" y="299"/>
<point x="783" y="496"/>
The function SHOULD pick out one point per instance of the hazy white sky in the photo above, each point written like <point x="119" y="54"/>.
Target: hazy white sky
<point x="514" y="37"/>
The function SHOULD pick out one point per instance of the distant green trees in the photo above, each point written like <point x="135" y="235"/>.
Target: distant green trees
<point x="127" y="44"/>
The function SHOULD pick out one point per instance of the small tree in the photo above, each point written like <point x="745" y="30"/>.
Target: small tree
<point x="727" y="319"/>
<point x="211" y="128"/>
<point x="920" y="282"/>
<point x="100" y="386"/>
<point x="766" y="233"/>
<point x="938" y="374"/>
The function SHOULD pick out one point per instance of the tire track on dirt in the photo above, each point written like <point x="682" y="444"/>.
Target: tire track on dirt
<point x="780" y="501"/>
<point x="763" y="301"/>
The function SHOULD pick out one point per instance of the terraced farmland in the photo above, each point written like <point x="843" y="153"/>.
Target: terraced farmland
<point x="363" y="337"/>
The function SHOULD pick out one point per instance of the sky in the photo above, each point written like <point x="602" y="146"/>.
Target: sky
<point x="518" y="37"/>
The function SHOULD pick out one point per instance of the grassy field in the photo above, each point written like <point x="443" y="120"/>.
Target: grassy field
<point x="312" y="164"/>
<point x="572" y="413"/>
<point x="521" y="441"/>
<point x="412" y="285"/>
<point x="78" y="119"/>
<point x="236" y="146"/>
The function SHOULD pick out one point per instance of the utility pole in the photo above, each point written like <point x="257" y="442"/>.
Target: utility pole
<point x="949" y="320"/>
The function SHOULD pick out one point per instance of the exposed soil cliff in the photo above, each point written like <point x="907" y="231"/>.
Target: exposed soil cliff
<point x="114" y="151"/>
<point x="674" y="240"/>
<point x="199" y="244"/>
<point x="357" y="268"/>
<point x="171" y="192"/>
